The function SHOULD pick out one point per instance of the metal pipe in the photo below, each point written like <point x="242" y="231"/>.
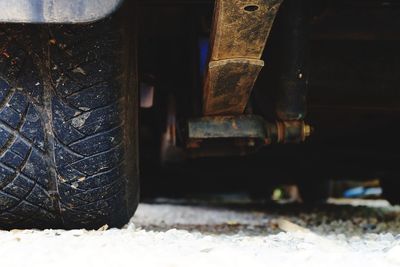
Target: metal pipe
<point x="293" y="66"/>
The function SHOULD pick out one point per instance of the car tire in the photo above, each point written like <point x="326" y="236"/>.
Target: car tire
<point x="68" y="110"/>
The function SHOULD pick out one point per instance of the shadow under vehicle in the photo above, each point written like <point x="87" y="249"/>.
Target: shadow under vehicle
<point x="269" y="90"/>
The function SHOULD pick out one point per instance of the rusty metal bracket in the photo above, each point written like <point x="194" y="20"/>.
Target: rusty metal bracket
<point x="239" y="34"/>
<point x="229" y="84"/>
<point x="246" y="127"/>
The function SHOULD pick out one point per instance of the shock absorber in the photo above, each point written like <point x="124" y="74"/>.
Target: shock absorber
<point x="293" y="62"/>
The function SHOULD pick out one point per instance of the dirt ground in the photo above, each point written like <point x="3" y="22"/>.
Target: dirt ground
<point x="185" y="233"/>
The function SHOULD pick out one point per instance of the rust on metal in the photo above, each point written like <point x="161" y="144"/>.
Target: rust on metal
<point x="241" y="28"/>
<point x="244" y="126"/>
<point x="248" y="127"/>
<point x="228" y="85"/>
<point x="239" y="34"/>
<point x="292" y="132"/>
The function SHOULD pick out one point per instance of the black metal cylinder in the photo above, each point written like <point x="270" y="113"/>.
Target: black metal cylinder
<point x="293" y="64"/>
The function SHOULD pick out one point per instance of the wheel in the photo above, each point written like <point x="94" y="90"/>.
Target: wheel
<point x="314" y="191"/>
<point x="67" y="126"/>
<point x="390" y="188"/>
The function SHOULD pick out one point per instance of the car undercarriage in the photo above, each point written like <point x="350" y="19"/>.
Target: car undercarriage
<point x="94" y="92"/>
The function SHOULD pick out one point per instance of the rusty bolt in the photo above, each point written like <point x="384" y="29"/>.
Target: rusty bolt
<point x="307" y="130"/>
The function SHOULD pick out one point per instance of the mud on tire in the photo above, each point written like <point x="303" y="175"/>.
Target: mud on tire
<point x="67" y="126"/>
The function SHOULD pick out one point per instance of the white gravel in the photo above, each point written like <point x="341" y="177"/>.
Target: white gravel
<point x="176" y="235"/>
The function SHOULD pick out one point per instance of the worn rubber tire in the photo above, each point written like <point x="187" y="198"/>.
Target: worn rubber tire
<point x="67" y="126"/>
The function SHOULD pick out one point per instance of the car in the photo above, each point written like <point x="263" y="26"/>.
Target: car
<point x="308" y="85"/>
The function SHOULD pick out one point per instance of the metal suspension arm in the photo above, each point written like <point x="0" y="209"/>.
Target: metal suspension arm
<point x="239" y="34"/>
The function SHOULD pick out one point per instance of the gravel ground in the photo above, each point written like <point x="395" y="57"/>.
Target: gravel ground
<point x="234" y="234"/>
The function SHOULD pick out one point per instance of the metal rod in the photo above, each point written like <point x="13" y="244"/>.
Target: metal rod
<point x="293" y="66"/>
